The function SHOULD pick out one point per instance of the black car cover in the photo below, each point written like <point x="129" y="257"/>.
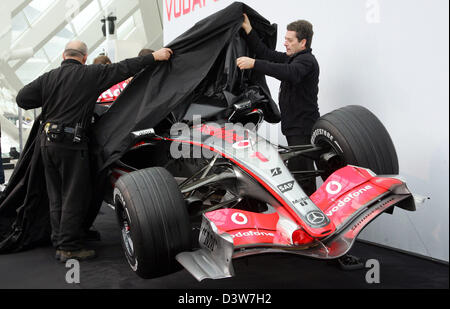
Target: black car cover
<point x="204" y="61"/>
<point x="203" y="68"/>
<point x="24" y="215"/>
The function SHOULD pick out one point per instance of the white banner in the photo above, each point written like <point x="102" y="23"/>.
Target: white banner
<point x="371" y="54"/>
<point x="180" y="15"/>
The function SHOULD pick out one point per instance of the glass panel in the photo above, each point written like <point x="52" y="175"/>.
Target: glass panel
<point x="86" y="16"/>
<point x="31" y="13"/>
<point x="41" y="5"/>
<point x="12" y="63"/>
<point x="36" y="8"/>
<point x="55" y="46"/>
<point x="125" y="29"/>
<point x="8" y="112"/>
<point x="8" y="106"/>
<point x="138" y="19"/>
<point x="105" y="3"/>
<point x="66" y="33"/>
<point x="18" y="26"/>
<point x="32" y="68"/>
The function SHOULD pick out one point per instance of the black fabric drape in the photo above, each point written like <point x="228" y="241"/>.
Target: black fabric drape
<point x="24" y="215"/>
<point x="204" y="62"/>
<point x="154" y="94"/>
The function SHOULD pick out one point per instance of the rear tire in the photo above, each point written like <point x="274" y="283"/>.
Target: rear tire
<point x="358" y="138"/>
<point x="154" y="221"/>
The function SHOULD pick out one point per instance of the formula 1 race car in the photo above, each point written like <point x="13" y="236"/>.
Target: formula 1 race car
<point x="202" y="193"/>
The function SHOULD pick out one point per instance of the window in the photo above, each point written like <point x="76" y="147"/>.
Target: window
<point x="86" y="16"/>
<point x="32" y="67"/>
<point x="55" y="46"/>
<point x="105" y="3"/>
<point x="125" y="29"/>
<point x="19" y="24"/>
<point x="35" y="9"/>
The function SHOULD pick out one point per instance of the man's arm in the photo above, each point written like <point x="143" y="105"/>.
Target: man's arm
<point x="257" y="45"/>
<point x="293" y="72"/>
<point x="30" y="96"/>
<point x="111" y="74"/>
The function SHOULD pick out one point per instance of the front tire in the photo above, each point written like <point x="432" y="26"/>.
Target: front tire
<point x="358" y="138"/>
<point x="154" y="221"/>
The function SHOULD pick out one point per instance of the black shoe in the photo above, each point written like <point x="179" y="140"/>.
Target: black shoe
<point x="91" y="235"/>
<point x="13" y="153"/>
<point x="80" y="255"/>
<point x="58" y="255"/>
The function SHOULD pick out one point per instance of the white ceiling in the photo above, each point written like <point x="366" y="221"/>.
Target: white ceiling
<point x="47" y="25"/>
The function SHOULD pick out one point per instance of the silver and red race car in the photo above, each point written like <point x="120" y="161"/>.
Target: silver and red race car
<point x="202" y="193"/>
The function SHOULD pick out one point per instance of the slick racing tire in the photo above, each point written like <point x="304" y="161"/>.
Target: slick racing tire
<point x="154" y="221"/>
<point x="354" y="136"/>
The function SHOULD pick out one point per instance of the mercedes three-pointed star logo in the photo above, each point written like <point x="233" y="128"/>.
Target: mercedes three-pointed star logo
<point x="315" y="217"/>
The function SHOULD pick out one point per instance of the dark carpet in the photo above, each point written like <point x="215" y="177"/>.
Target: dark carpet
<point x="37" y="269"/>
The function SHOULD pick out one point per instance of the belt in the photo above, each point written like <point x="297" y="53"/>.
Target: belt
<point x="56" y="126"/>
<point x="58" y="133"/>
<point x="69" y="130"/>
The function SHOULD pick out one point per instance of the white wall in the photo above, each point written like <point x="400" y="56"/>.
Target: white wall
<point x="390" y="56"/>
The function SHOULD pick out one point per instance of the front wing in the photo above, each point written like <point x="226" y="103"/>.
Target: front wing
<point x="351" y="198"/>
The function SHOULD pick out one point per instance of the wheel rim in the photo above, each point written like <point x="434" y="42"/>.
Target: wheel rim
<point x="126" y="238"/>
<point x="332" y="165"/>
<point x="126" y="228"/>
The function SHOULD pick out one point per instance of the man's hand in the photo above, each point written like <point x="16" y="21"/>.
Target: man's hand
<point x="246" y="25"/>
<point x="163" y="54"/>
<point x="245" y="63"/>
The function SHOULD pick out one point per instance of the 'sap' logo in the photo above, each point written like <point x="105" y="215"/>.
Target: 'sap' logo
<point x="285" y="187"/>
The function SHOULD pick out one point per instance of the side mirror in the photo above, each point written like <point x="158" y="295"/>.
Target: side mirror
<point x="148" y="133"/>
<point x="246" y="104"/>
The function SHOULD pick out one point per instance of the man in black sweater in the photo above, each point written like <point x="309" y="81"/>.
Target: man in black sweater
<point x="298" y="71"/>
<point x="2" y="172"/>
<point x="67" y="96"/>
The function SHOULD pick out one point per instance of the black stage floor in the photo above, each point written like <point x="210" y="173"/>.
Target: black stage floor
<point x="37" y="269"/>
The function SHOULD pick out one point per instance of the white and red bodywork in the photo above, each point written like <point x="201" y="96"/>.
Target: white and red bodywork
<point x="354" y="188"/>
<point x="108" y="97"/>
<point x="324" y="225"/>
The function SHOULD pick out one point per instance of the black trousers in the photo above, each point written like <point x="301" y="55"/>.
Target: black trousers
<point x="68" y="178"/>
<point x="302" y="164"/>
<point x="2" y="171"/>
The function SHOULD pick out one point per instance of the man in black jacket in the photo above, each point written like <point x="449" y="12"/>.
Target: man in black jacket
<point x="298" y="71"/>
<point x="2" y="172"/>
<point x="67" y="96"/>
